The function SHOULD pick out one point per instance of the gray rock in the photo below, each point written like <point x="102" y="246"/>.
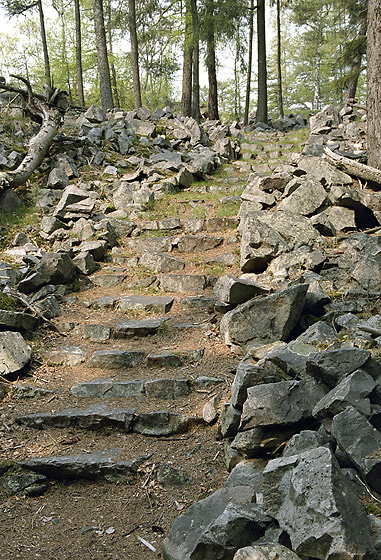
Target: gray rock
<point x="167" y="388"/>
<point x="144" y="327"/>
<point x="108" y="389"/>
<point x="236" y="291"/>
<point x="336" y="525"/>
<point x="260" y="243"/>
<point x="161" y="423"/>
<point x="194" y="243"/>
<point x="182" y="282"/>
<point x="17" y="320"/>
<point x="94" y="417"/>
<point x="306" y="199"/>
<point x="156" y="304"/>
<point x="22" y="392"/>
<point x="290" y="264"/>
<point x="48" y="307"/>
<point x="198" y="302"/>
<point x="249" y="373"/>
<point x="57" y="179"/>
<point x="95" y="114"/>
<point x="85" y="263"/>
<point x="259" y="442"/>
<point x="305" y="441"/>
<point x="53" y="268"/>
<point x="342" y="219"/>
<point x="169" y="477"/>
<point x="230" y="418"/>
<point x="296" y="230"/>
<point x="29" y="483"/>
<point x="332" y="366"/>
<point x="96" y="248"/>
<point x="105" y="302"/>
<point x="9" y="201"/>
<point x="143" y="128"/>
<point x="115" y="359"/>
<point x="320" y="170"/>
<point x="265" y="552"/>
<point x="367" y="272"/>
<point x="15" y="353"/>
<point x="144" y="244"/>
<point x="210" y="410"/>
<point x="264" y="320"/>
<point x="282" y="403"/>
<point x="246" y="473"/>
<point x="65" y="356"/>
<point x="160" y="262"/>
<point x="109" y="465"/>
<point x="168" y="358"/>
<point x="353" y="390"/>
<point x="360" y="442"/>
<point x="216" y="527"/>
<point x="108" y="279"/>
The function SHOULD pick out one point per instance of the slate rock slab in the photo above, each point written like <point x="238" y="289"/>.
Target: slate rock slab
<point x="54" y="268"/>
<point x="332" y="366"/>
<point x="31" y="484"/>
<point x="182" y="282"/>
<point x="109" y="465"/>
<point x="235" y="290"/>
<point x="116" y="359"/>
<point x="18" y="321"/>
<point x="265" y="552"/>
<point x="314" y="503"/>
<point x="264" y="320"/>
<point x="167" y="388"/>
<point x="15" y="353"/>
<point x="144" y="327"/>
<point x="360" y="442"/>
<point x="65" y="356"/>
<point x="96" y="333"/>
<point x="157" y="304"/>
<point x="108" y="389"/>
<point x="161" y="262"/>
<point x="169" y="477"/>
<point x="190" y="243"/>
<point x="216" y="527"/>
<point x="161" y="423"/>
<point x="92" y="418"/>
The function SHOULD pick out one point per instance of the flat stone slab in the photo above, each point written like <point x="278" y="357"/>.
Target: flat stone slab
<point x="142" y="244"/>
<point x="182" y="282"/>
<point x="115" y="359"/>
<point x="167" y="388"/>
<point x="92" y="418"/>
<point x="161" y="423"/>
<point x="235" y="290"/>
<point x="161" y="262"/>
<point x="167" y="358"/>
<point x="144" y="327"/>
<point x="108" y="389"/>
<point x="17" y="320"/>
<point x="157" y="304"/>
<point x="105" y="302"/>
<point x="65" y="356"/>
<point x="109" y="465"/>
<point x="107" y="280"/>
<point x="97" y="333"/>
<point x="332" y="366"/>
<point x="190" y="243"/>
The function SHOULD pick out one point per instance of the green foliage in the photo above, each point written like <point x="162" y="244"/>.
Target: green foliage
<point x="6" y="302"/>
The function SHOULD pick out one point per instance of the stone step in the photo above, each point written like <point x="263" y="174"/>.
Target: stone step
<point x="158" y="423"/>
<point x="141" y="328"/>
<point x="183" y="282"/>
<point x="156" y="304"/>
<point x="109" y="465"/>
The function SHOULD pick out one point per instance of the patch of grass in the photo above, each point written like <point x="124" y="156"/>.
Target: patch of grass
<point x="7" y="303"/>
<point x="14" y="222"/>
<point x="228" y="210"/>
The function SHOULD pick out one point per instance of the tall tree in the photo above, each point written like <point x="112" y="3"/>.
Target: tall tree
<point x="196" y="113"/>
<point x="102" y="58"/>
<point x="374" y="83"/>
<point x="16" y="7"/>
<point x="249" y="63"/>
<point x="279" y="60"/>
<point x="110" y="48"/>
<point x="262" y="110"/>
<point x="78" y="54"/>
<point x="211" y="61"/>
<point x="186" y="96"/>
<point x="134" y="54"/>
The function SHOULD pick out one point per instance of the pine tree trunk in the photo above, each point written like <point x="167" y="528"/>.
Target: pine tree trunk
<point x="134" y="54"/>
<point x="249" y="64"/>
<point x="374" y="84"/>
<point x="78" y="54"/>
<point x="196" y="114"/>
<point x="262" y="115"/>
<point x="350" y="92"/>
<point x="211" y="64"/>
<point x="103" y="65"/>
<point x="112" y="65"/>
<point x="186" y="97"/>
<point x="279" y="61"/>
<point x="44" y="45"/>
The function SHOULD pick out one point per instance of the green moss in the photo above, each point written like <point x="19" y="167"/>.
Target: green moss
<point x="6" y="302"/>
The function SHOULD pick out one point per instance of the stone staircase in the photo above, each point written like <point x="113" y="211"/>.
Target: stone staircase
<point x="126" y="395"/>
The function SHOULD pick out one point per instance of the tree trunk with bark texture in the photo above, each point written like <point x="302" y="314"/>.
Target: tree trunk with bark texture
<point x="102" y="59"/>
<point x="44" y="45"/>
<point x="196" y="114"/>
<point x="262" y="111"/>
<point x="249" y="64"/>
<point x="279" y="61"/>
<point x="186" y="97"/>
<point x="78" y="54"/>
<point x="374" y="83"/>
<point x="211" y="64"/>
<point x="49" y="113"/>
<point x="134" y="54"/>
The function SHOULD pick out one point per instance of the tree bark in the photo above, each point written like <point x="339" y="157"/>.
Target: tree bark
<point x="374" y="83"/>
<point x="262" y="111"/>
<point x="103" y="65"/>
<point x="44" y="45"/>
<point x="249" y="64"/>
<point x="134" y="54"/>
<point x="279" y="60"/>
<point x="186" y="97"/>
<point x="211" y="63"/>
<point x="196" y="114"/>
<point x="78" y="54"/>
<point x="49" y="113"/>
<point x="112" y="65"/>
<point x="353" y="167"/>
<point x="351" y="88"/>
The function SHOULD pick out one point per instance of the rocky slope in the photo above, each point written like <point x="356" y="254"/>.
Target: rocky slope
<point x="203" y="327"/>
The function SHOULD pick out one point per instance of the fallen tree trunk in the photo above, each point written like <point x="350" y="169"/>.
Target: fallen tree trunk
<point x="353" y="167"/>
<point x="49" y="113"/>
